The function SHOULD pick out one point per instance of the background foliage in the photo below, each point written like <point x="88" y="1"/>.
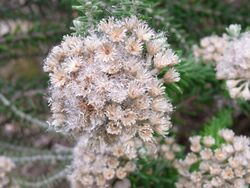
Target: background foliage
<point x="28" y="30"/>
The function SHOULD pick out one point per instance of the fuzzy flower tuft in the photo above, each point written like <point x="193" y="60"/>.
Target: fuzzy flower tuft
<point x="105" y="85"/>
<point x="104" y="89"/>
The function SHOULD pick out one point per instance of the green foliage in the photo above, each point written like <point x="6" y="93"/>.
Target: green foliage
<point x="197" y="79"/>
<point x="153" y="173"/>
<point x="194" y="167"/>
<point x="244" y="106"/>
<point x="222" y="120"/>
<point x="90" y="12"/>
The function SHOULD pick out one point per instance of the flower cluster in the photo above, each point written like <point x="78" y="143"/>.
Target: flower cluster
<point x="211" y="48"/>
<point x="106" y="84"/>
<point x="6" y="165"/>
<point x="234" y="67"/>
<point x="231" y="55"/>
<point x="100" y="168"/>
<point x="207" y="167"/>
<point x="104" y="88"/>
<point x="169" y="149"/>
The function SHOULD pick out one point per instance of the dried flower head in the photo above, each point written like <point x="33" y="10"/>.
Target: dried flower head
<point x="234" y="67"/>
<point x="225" y="166"/>
<point x="105" y="85"/>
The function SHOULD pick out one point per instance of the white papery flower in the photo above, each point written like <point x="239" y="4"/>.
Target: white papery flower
<point x="225" y="166"/>
<point x="227" y="135"/>
<point x="234" y="30"/>
<point x="206" y="154"/>
<point x="208" y="141"/>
